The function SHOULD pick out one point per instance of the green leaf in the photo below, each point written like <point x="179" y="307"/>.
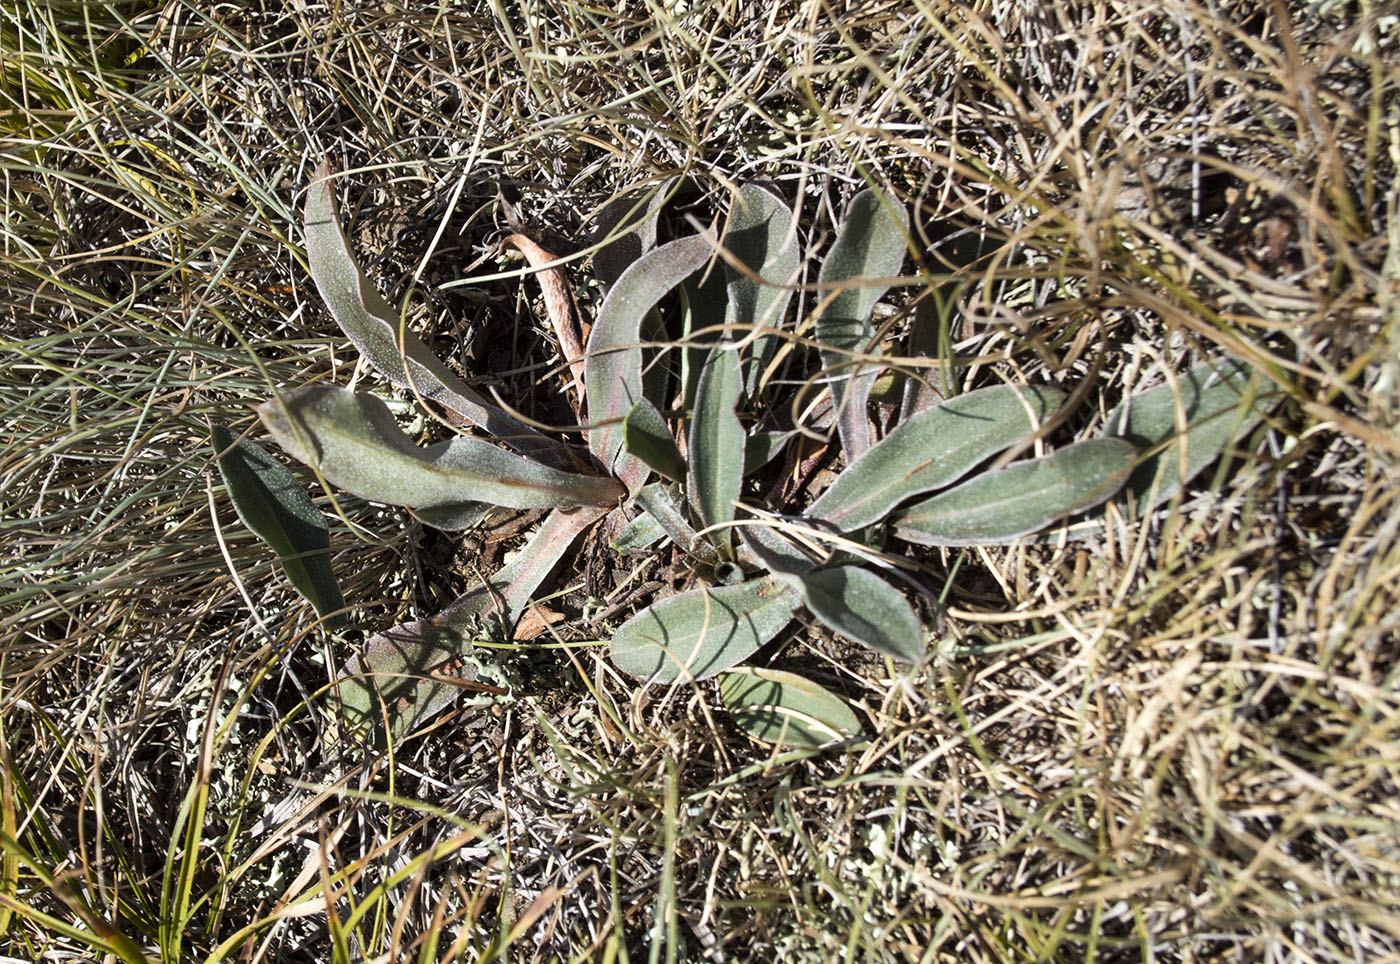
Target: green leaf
<point x="716" y="447"/>
<point x="663" y="503"/>
<point x="452" y="518"/>
<point x="1219" y="405"/>
<point x="648" y="437"/>
<point x="638" y="534"/>
<point x="764" y="447"/>
<point x="998" y="507"/>
<point x="374" y="327"/>
<point x="869" y="245"/>
<point x="613" y="371"/>
<point x="773" y="551"/>
<point x="699" y="633"/>
<point x="931" y="449"/>
<point x="859" y="604"/>
<point x="353" y="440"/>
<point x="627" y="227"/>
<point x="414" y="670"/>
<point x="786" y="709"/>
<point x="761" y="237"/>
<point x="274" y="506"/>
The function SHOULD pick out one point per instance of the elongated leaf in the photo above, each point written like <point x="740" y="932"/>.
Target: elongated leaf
<point x="870" y="244"/>
<point x="1001" y="506"/>
<point x="859" y="604"/>
<point x="1219" y="406"/>
<point x="452" y="518"/>
<point x="613" y="370"/>
<point x="274" y="506"/>
<point x="762" y="238"/>
<point x="716" y="448"/>
<point x="773" y="551"/>
<point x="648" y="437"/>
<point x="704" y="301"/>
<point x="375" y="330"/>
<point x="931" y="449"/>
<point x="764" y="447"/>
<point x="786" y="709"/>
<point x="664" y="505"/>
<point x="418" y="668"/>
<point x="354" y="441"/>
<point x="638" y="534"/>
<point x="699" y="633"/>
<point x="627" y="227"/>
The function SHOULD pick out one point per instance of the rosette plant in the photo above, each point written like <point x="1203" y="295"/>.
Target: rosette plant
<point x="672" y="450"/>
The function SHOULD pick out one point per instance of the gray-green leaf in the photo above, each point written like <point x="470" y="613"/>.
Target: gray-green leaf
<point x="716" y="449"/>
<point x="869" y="245"/>
<point x="613" y="370"/>
<point x="274" y="506"/>
<point x="663" y="503"/>
<point x="931" y="449"/>
<point x="353" y="440"/>
<point x="786" y="709"/>
<point x="374" y="327"/>
<point x="417" y="668"/>
<point x="700" y="633"/>
<point x="1219" y="406"/>
<point x="638" y="534"/>
<point x="762" y="238"/>
<point x="627" y="227"/>
<point x="862" y="606"/>
<point x="998" y="507"/>
<point x="648" y="437"/>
